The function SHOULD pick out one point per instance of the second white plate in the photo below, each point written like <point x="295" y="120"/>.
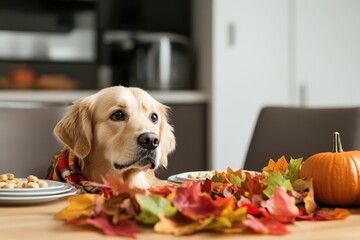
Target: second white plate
<point x="29" y="200"/>
<point x="66" y="188"/>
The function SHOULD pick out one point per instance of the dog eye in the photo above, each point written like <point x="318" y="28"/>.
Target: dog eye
<point x="118" y="116"/>
<point x="154" y="118"/>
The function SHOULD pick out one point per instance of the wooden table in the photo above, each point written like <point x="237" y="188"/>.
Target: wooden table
<point x="36" y="223"/>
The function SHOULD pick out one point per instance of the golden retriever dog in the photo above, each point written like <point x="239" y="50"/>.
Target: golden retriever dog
<point x="118" y="131"/>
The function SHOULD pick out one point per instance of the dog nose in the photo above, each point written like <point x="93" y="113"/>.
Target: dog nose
<point x="148" y="140"/>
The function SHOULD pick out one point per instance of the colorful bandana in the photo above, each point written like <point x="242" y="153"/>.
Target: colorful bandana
<point x="65" y="167"/>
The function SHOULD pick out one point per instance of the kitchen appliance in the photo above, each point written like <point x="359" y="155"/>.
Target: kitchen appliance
<point x="149" y="60"/>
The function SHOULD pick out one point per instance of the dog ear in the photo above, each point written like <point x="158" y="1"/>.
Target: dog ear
<point x="75" y="130"/>
<point x="167" y="137"/>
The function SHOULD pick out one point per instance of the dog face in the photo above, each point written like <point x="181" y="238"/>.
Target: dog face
<point x="118" y="131"/>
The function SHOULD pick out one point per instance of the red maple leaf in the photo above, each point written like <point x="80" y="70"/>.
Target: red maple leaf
<point x="194" y="204"/>
<point x="282" y="206"/>
<point x="265" y="225"/>
<point x="253" y="185"/>
<point x="163" y="190"/>
<point x="250" y="208"/>
<point x="124" y="228"/>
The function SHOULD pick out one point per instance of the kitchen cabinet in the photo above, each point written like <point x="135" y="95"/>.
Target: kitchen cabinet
<point x="272" y="52"/>
<point x="243" y="65"/>
<point x="326" y="62"/>
<point x="189" y="122"/>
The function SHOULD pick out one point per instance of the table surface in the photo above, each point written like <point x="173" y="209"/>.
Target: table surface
<point x="36" y="222"/>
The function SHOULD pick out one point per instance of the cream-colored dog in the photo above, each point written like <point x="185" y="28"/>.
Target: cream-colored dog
<point x="118" y="131"/>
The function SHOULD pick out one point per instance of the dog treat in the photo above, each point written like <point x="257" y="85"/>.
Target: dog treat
<point x="32" y="178"/>
<point x="210" y="174"/>
<point x="42" y="184"/>
<point x="202" y="175"/>
<point x="9" y="185"/>
<point x="32" y="185"/>
<point x="3" y="177"/>
<point x="10" y="176"/>
<point x="9" y="181"/>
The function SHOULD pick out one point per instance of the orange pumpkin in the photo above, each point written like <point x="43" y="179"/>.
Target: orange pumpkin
<point x="336" y="175"/>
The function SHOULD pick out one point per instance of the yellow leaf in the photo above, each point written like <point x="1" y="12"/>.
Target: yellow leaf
<point x="310" y="204"/>
<point x="270" y="166"/>
<point x="234" y="216"/>
<point x="229" y="221"/>
<point x="79" y="206"/>
<point x="180" y="226"/>
<point x="280" y="166"/>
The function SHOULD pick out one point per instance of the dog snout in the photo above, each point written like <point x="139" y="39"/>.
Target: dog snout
<point x="148" y="140"/>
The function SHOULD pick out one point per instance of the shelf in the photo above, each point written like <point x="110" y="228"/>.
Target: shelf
<point x="67" y="97"/>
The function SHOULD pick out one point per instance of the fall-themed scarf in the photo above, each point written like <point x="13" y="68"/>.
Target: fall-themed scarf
<point x="65" y="167"/>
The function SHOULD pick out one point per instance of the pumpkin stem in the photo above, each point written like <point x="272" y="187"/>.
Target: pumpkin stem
<point x="336" y="142"/>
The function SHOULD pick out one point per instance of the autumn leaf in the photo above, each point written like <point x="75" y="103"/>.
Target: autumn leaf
<point x="309" y="201"/>
<point x="265" y="225"/>
<point x="180" y="225"/>
<point x="275" y="180"/>
<point x="253" y="185"/>
<point x="194" y="204"/>
<point x="119" y="186"/>
<point x="163" y="190"/>
<point x="239" y="173"/>
<point x="230" y="220"/>
<point x="120" y="207"/>
<point x="236" y="180"/>
<point x="217" y="179"/>
<point x="219" y="187"/>
<point x="282" y="206"/>
<point x="124" y="228"/>
<point x="294" y="166"/>
<point x="331" y="214"/>
<point x="250" y="207"/>
<point x="153" y="205"/>
<point x="280" y="166"/>
<point x="82" y="205"/>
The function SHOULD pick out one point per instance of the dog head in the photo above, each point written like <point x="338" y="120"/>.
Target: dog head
<point x="118" y="131"/>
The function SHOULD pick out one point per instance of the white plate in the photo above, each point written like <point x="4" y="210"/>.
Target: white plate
<point x="184" y="176"/>
<point x="29" y="200"/>
<point x="173" y="179"/>
<point x="67" y="187"/>
<point x="51" y="186"/>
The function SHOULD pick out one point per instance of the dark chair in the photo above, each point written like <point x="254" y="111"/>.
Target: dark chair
<point x="300" y="132"/>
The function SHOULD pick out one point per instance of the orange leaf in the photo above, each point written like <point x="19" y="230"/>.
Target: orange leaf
<point x="179" y="225"/>
<point x="310" y="204"/>
<point x="331" y="214"/>
<point x="341" y="213"/>
<point x="279" y="166"/>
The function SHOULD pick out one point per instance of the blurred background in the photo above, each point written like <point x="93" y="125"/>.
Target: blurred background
<point x="215" y="62"/>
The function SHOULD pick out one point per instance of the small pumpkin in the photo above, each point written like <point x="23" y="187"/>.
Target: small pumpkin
<point x="336" y="175"/>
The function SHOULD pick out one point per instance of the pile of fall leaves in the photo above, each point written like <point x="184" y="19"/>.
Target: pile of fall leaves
<point x="230" y="202"/>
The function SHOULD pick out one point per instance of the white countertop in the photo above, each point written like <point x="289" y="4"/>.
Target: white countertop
<point x="68" y="96"/>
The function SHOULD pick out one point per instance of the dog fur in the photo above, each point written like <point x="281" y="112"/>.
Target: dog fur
<point x="103" y="131"/>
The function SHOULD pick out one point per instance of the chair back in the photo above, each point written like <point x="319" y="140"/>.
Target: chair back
<point x="27" y="142"/>
<point x="300" y="132"/>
